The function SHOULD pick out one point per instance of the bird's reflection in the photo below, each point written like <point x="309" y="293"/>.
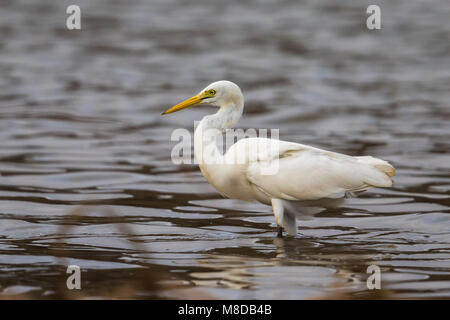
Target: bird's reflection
<point x="303" y="267"/>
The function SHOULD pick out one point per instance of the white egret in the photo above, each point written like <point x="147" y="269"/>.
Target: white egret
<point x="304" y="174"/>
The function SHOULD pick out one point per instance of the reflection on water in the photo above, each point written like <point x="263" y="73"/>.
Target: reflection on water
<point x="80" y="126"/>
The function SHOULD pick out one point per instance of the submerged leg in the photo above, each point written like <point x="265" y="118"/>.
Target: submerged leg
<point x="280" y="232"/>
<point x="284" y="219"/>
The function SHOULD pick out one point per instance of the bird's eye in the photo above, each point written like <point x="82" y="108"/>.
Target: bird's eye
<point x="212" y="92"/>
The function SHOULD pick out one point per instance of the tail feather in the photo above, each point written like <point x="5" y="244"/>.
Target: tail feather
<point x="383" y="166"/>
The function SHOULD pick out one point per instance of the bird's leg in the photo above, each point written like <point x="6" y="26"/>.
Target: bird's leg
<point x="280" y="231"/>
<point x="278" y="211"/>
<point x="285" y="219"/>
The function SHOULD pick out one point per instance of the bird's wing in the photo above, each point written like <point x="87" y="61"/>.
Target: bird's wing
<point x="294" y="171"/>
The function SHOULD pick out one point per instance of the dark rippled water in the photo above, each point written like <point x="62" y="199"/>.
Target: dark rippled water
<point x="80" y="125"/>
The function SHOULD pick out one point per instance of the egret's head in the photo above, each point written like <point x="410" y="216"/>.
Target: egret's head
<point x="220" y="93"/>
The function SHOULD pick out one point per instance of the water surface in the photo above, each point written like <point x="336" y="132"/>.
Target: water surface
<point x="86" y="176"/>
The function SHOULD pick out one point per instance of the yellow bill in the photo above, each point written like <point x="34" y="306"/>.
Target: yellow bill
<point x="186" y="104"/>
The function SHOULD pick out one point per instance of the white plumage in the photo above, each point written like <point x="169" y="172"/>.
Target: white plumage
<point x="275" y="172"/>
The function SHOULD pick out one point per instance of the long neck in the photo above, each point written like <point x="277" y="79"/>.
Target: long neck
<point x="205" y="137"/>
